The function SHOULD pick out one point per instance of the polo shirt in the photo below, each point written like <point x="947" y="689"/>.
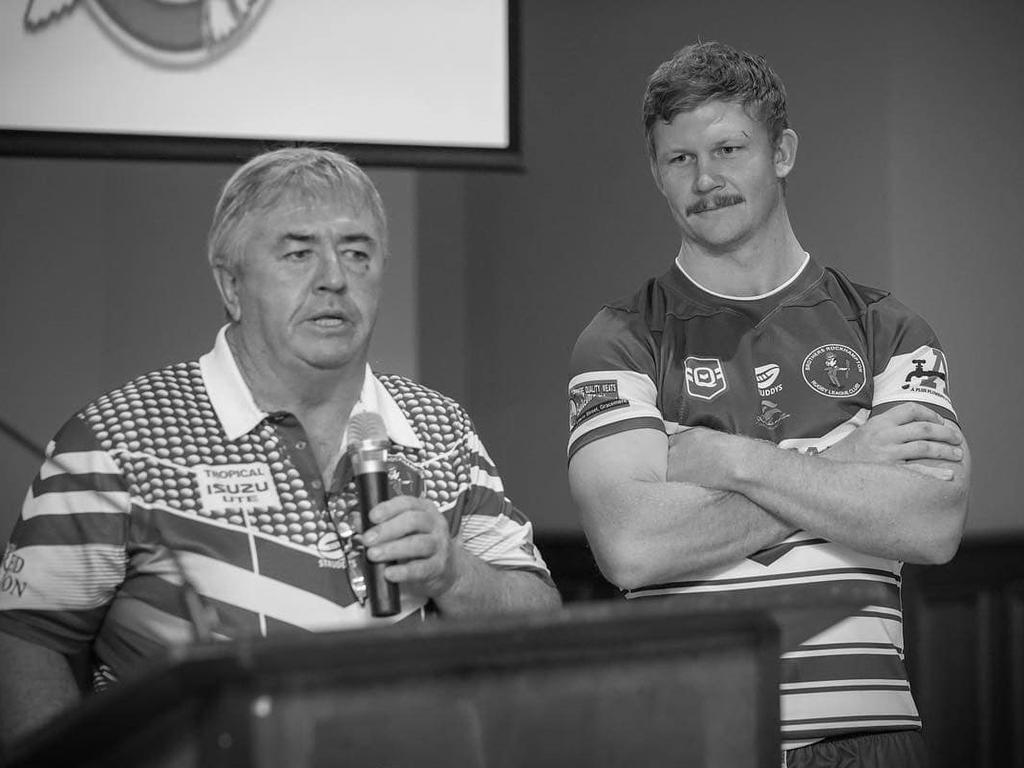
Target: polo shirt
<point x="178" y="483"/>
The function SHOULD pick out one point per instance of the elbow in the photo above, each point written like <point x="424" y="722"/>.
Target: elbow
<point x="938" y="552"/>
<point x="625" y="565"/>
<point x="942" y="541"/>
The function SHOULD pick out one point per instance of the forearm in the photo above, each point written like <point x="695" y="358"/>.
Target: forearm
<point x="479" y="588"/>
<point x="880" y="509"/>
<point x="653" y="532"/>
<point x="36" y="684"/>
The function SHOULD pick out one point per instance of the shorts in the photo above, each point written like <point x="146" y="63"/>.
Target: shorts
<point x="898" y="749"/>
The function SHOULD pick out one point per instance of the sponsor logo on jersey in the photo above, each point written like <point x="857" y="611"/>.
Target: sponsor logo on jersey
<point x="834" y="370"/>
<point x="237" y="486"/>
<point x="592" y="398"/>
<point x="771" y="415"/>
<point x="928" y="376"/>
<point x="403" y="478"/>
<point x="766" y="375"/>
<point x="11" y="580"/>
<point x="705" y="378"/>
<point x="332" y="550"/>
<point x="163" y="32"/>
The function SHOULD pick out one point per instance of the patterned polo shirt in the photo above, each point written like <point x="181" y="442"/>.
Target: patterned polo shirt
<point x="801" y="367"/>
<point x="177" y="483"/>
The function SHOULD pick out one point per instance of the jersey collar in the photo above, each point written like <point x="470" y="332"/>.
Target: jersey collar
<point x="698" y="300"/>
<point x="774" y="292"/>
<point x="238" y="413"/>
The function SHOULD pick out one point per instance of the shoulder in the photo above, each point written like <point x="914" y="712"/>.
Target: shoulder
<point x="134" y="410"/>
<point x="856" y="297"/>
<point x="657" y="299"/>
<point x="432" y="415"/>
<point x="628" y="327"/>
<point x="877" y="308"/>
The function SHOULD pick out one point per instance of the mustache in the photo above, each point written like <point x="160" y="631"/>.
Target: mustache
<point x="710" y="203"/>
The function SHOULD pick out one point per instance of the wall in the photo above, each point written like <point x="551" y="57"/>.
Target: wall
<point x="907" y="177"/>
<point x="956" y="190"/>
<point x="104" y="277"/>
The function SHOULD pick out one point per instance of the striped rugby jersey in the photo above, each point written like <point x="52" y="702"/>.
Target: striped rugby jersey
<point x="178" y="472"/>
<point x="802" y="367"/>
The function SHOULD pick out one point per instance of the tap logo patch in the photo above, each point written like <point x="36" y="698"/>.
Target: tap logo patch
<point x="168" y="33"/>
<point x="929" y="375"/>
<point x="834" y="370"/>
<point x="705" y="378"/>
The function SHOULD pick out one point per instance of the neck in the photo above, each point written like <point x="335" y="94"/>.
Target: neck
<point x="300" y="392"/>
<point x="753" y="267"/>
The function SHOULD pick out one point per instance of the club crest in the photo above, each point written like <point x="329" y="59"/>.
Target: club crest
<point x="834" y="370"/>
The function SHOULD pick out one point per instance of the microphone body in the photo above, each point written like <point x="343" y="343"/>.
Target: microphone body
<point x="369" y="464"/>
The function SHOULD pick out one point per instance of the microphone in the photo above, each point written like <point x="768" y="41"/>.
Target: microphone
<point x="368" y="449"/>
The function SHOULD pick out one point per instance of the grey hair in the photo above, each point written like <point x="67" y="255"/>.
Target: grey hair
<point x="262" y="181"/>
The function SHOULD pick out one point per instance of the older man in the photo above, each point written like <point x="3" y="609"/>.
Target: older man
<point x="752" y="426"/>
<point x="216" y="495"/>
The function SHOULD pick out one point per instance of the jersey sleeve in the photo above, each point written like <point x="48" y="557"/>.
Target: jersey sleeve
<point x="488" y="524"/>
<point x="66" y="555"/>
<point x="909" y="363"/>
<point x="612" y="379"/>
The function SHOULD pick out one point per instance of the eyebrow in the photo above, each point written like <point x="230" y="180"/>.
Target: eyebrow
<point x="733" y="136"/>
<point x="306" y="237"/>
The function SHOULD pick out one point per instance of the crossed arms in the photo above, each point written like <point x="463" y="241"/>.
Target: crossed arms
<point x="657" y="509"/>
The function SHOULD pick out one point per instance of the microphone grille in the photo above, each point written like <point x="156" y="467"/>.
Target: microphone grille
<point x="366" y="426"/>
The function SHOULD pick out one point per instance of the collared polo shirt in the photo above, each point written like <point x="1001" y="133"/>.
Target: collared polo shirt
<point x="178" y="482"/>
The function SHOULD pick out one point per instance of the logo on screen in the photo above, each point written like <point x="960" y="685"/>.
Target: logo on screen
<point x="170" y="33"/>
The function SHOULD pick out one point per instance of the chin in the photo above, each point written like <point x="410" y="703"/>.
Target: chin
<point x="330" y="359"/>
<point x="724" y="238"/>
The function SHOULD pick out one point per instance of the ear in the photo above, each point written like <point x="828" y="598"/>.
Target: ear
<point x="785" y="153"/>
<point x="228" y="280"/>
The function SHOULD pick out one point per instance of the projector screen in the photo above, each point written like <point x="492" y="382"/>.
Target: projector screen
<point x="390" y="82"/>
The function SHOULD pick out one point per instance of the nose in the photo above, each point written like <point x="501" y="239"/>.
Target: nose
<point x="706" y="180"/>
<point x="331" y="275"/>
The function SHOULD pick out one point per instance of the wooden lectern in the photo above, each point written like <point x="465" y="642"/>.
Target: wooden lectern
<point x="600" y="684"/>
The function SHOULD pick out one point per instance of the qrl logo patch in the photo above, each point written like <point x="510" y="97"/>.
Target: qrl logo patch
<point x="834" y="370"/>
<point x="705" y="378"/>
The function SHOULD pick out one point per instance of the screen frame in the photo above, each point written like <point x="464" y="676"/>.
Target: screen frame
<point x="152" y="146"/>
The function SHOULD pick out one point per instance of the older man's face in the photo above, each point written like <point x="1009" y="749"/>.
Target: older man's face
<point x="309" y="283"/>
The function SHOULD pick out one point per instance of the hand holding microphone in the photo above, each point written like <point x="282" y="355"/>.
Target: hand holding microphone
<point x="368" y="449"/>
<point x="407" y="537"/>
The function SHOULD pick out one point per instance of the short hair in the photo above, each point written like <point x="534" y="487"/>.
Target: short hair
<point x="706" y="71"/>
<point x="266" y="178"/>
